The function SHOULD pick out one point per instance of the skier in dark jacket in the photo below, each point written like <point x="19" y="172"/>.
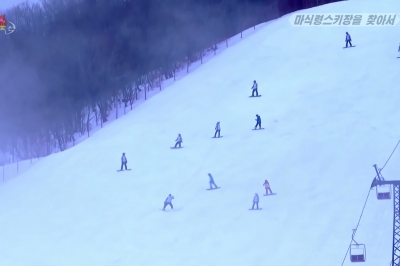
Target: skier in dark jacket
<point x="124" y="161"/>
<point x="217" y="130"/>
<point x="258" y="119"/>
<point x="212" y="181"/>
<point x="348" y="40"/>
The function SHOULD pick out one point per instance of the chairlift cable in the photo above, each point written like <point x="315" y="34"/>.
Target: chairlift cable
<point x="390" y="155"/>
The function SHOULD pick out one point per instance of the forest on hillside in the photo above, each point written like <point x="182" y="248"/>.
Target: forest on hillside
<point x="72" y="61"/>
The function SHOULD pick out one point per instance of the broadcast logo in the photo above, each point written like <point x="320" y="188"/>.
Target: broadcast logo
<point x="5" y="25"/>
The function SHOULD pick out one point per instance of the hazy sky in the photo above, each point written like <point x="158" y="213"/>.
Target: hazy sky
<point x="6" y="4"/>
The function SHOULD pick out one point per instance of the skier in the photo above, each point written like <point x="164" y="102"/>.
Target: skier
<point x="258" y="119"/>
<point x="212" y="181"/>
<point x="178" y="141"/>
<point x="168" y="201"/>
<point x="348" y="40"/>
<point x="267" y="187"/>
<point x="399" y="49"/>
<point x="254" y="88"/>
<point x="124" y="161"/>
<point x="217" y="130"/>
<point x="255" y="201"/>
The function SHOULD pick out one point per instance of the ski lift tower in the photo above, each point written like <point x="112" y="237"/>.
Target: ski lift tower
<point x="383" y="192"/>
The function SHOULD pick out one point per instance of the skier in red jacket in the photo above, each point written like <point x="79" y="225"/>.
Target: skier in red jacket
<point x="267" y="187"/>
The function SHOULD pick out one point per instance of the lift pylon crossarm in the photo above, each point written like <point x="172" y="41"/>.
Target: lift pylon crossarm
<point x="380" y="181"/>
<point x="376" y="182"/>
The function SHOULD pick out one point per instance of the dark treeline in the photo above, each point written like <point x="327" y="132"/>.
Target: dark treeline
<point x="72" y="61"/>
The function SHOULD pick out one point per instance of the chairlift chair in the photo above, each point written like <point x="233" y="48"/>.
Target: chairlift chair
<point x="357" y="252"/>
<point x="384" y="192"/>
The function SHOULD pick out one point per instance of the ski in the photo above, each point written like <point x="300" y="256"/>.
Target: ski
<point x="255" y="209"/>
<point x="270" y="194"/>
<point x="176" y="148"/>
<point x="216" y="137"/>
<point x="258" y="128"/>
<point x="349" y="46"/>
<point x="255" y="96"/>
<point x="123" y="170"/>
<point x="213" y="188"/>
<point x="176" y="209"/>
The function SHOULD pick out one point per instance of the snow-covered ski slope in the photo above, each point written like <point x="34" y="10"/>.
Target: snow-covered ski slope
<point x="329" y="114"/>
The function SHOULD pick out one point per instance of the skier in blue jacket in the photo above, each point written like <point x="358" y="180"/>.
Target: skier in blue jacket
<point x="256" y="199"/>
<point x="217" y="130"/>
<point x="168" y="201"/>
<point x="124" y="161"/>
<point x="258" y="119"/>
<point x="348" y="40"/>
<point x="212" y="181"/>
<point x="178" y="141"/>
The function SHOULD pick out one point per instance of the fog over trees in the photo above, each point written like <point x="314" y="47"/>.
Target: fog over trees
<point x="71" y="61"/>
